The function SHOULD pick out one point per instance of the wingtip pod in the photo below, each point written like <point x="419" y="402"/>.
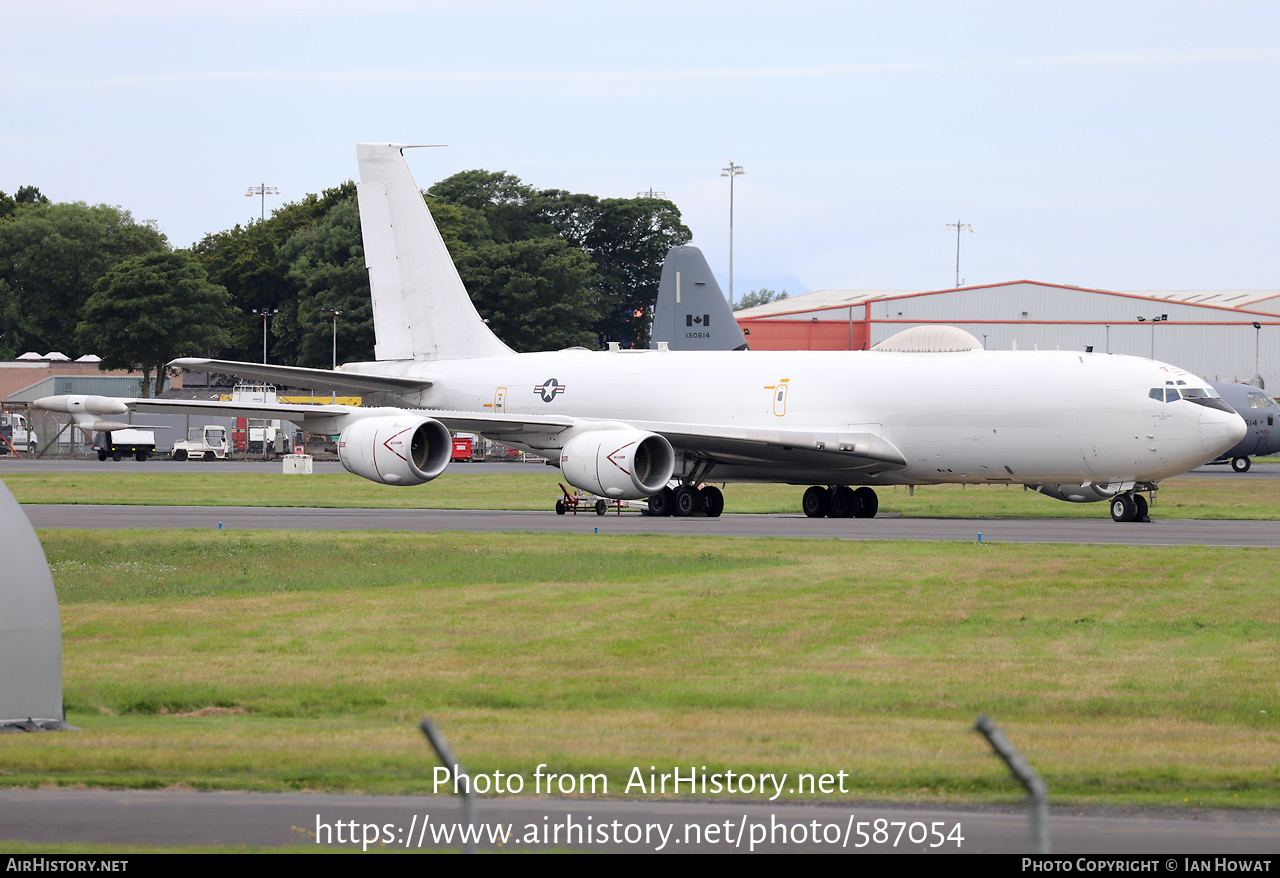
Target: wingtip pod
<point x="80" y="404"/>
<point x="421" y="310"/>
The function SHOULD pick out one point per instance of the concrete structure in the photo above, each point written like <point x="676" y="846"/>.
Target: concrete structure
<point x="1210" y="333"/>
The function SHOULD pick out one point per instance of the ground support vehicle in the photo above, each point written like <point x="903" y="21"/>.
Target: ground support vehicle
<point x="202" y="443"/>
<point x="16" y="435"/>
<point x="581" y="501"/>
<point x="462" y="449"/>
<point x="138" y="444"/>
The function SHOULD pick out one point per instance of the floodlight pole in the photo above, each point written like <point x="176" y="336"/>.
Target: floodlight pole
<point x="336" y="314"/>
<point x="1154" y="321"/>
<point x="959" y="227"/>
<point x="731" y="172"/>
<point x="1257" y="340"/>
<point x="266" y="314"/>
<point x="262" y="190"/>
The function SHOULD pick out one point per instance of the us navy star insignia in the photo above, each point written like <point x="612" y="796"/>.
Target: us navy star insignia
<point x="549" y="389"/>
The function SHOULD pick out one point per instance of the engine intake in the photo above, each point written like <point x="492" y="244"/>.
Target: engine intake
<point x="396" y="450"/>
<point x="621" y="464"/>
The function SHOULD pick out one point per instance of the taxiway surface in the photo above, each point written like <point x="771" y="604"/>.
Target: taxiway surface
<point x="1160" y="532"/>
<point x="255" y="819"/>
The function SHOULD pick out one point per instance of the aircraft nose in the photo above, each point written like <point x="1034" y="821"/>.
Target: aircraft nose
<point x="1220" y="430"/>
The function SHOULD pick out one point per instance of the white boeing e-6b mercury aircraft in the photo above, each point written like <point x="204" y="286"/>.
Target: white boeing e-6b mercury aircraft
<point x="927" y="406"/>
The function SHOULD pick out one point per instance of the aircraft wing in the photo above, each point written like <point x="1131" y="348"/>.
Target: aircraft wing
<point x="798" y="448"/>
<point x="288" y="411"/>
<point x="476" y="422"/>
<point x="826" y="450"/>
<point x="299" y="376"/>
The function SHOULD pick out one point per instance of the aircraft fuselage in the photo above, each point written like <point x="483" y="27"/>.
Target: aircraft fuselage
<point x="971" y="416"/>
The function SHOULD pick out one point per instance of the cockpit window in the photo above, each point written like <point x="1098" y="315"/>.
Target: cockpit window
<point x="1157" y="394"/>
<point x="1258" y="400"/>
<point x="1206" y="397"/>
<point x="1170" y="394"/>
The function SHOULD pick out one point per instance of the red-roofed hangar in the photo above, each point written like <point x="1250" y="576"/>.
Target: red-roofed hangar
<point x="1222" y="335"/>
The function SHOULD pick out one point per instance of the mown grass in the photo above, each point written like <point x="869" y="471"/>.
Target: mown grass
<point x="1231" y="497"/>
<point x="270" y="661"/>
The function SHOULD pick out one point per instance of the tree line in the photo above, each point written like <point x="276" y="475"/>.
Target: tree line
<point x="546" y="268"/>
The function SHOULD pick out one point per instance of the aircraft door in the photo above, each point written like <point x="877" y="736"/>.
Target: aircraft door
<point x="779" y="393"/>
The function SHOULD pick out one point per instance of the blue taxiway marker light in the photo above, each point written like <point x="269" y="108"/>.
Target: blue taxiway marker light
<point x="219" y="525"/>
<point x="979" y="537"/>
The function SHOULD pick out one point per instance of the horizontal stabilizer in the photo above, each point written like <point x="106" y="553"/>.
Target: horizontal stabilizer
<point x="300" y="376"/>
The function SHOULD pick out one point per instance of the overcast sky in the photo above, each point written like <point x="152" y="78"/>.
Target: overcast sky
<point x="1112" y="145"/>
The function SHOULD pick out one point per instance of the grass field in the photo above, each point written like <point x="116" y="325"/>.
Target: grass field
<point x="1231" y="497"/>
<point x="295" y="661"/>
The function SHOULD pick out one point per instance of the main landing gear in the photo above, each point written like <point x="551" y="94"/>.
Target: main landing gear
<point x="688" y="500"/>
<point x="840" y="501"/>
<point x="1129" y="506"/>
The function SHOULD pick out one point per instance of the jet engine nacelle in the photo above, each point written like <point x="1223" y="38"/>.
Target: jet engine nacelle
<point x="621" y="464"/>
<point x="396" y="450"/>
<point x="1076" y="493"/>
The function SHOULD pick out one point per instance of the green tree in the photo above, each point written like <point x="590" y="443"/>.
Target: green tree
<point x="247" y="261"/>
<point x="52" y="257"/>
<point x="326" y="265"/>
<point x="10" y="321"/>
<point x="537" y="295"/>
<point x="625" y="238"/>
<point x="628" y="242"/>
<point x="152" y="308"/>
<point x="758" y="297"/>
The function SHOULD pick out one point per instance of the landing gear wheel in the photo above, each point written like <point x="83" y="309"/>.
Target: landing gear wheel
<point x="180" y="454"/>
<point x="712" y="501"/>
<point x="1240" y="464"/>
<point x="115" y="455"/>
<point x="560" y="508"/>
<point x="1124" y="508"/>
<point x="843" y="503"/>
<point x="687" y="501"/>
<point x="601" y="507"/>
<point x="1140" y="503"/>
<point x="102" y="455"/>
<point x="868" y="503"/>
<point x="816" y="502"/>
<point x="663" y="502"/>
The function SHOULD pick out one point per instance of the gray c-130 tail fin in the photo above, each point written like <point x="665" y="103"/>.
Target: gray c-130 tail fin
<point x="691" y="313"/>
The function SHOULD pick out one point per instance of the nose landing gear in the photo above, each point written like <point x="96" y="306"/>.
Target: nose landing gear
<point x="1129" y="506"/>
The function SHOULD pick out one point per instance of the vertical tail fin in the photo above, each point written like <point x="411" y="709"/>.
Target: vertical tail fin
<point x="421" y="310"/>
<point x="691" y="313"/>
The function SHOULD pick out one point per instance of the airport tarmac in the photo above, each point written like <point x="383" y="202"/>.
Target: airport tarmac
<point x="1102" y="530"/>
<point x="635" y="826"/>
<point x="129" y="466"/>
